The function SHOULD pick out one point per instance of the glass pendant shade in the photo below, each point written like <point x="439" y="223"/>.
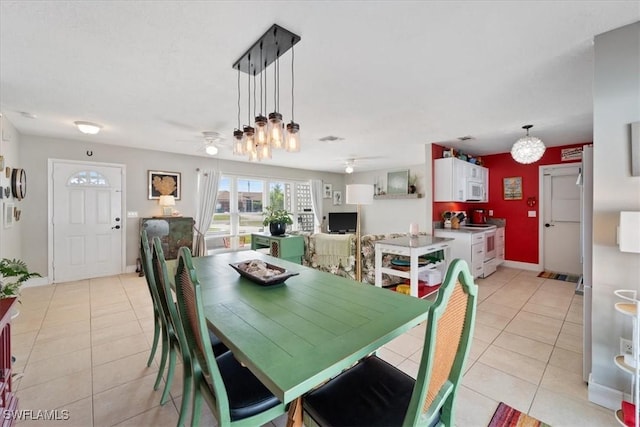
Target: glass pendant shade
<point x="275" y="130"/>
<point x="261" y="130"/>
<point x="248" y="140"/>
<point x="528" y="149"/>
<point x="264" y="151"/>
<point x="238" y="148"/>
<point x="293" y="137"/>
<point x="253" y="155"/>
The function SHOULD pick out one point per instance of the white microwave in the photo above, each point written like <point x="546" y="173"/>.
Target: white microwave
<point x="475" y="191"/>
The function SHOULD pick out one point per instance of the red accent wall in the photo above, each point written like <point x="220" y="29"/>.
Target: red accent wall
<point x="521" y="233"/>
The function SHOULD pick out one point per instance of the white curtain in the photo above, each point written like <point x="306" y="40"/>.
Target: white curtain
<point x="207" y="191"/>
<point x="316" y="202"/>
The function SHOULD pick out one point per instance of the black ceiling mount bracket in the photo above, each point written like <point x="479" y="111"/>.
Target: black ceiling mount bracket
<point x="273" y="44"/>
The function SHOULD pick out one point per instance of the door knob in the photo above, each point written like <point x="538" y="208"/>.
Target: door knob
<point x="117" y="227"/>
<point x="549" y="225"/>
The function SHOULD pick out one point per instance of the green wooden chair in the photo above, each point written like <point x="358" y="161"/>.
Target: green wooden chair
<point x="148" y="274"/>
<point x="234" y="395"/>
<point x="374" y="393"/>
<point x="175" y="338"/>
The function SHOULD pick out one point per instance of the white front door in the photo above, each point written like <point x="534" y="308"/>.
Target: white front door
<point x="561" y="219"/>
<point x="87" y="223"/>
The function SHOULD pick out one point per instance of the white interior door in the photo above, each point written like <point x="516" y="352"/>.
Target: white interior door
<point x="561" y="220"/>
<point x="87" y="221"/>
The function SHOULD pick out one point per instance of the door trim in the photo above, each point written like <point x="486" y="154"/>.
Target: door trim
<point x="541" y="171"/>
<point x="50" y="165"/>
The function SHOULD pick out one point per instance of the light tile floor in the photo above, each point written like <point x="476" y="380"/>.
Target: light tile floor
<point x="82" y="346"/>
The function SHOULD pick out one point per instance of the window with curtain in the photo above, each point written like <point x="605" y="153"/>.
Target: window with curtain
<point x="241" y="201"/>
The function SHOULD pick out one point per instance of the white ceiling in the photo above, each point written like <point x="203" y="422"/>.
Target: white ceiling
<point x="387" y="76"/>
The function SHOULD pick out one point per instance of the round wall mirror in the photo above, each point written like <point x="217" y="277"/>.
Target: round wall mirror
<point x="19" y="183"/>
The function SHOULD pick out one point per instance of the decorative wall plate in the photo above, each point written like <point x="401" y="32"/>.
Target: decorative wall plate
<point x="19" y="183"/>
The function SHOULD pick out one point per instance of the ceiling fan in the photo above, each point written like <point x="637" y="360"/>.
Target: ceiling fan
<point x="212" y="142"/>
<point x="350" y="163"/>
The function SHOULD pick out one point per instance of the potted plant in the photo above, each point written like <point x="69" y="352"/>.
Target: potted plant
<point x="277" y="220"/>
<point x="13" y="273"/>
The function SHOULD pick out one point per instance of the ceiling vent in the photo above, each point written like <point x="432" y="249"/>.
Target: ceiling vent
<point x="330" y="138"/>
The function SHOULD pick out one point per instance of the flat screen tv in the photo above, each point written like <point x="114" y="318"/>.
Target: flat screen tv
<point x="342" y="222"/>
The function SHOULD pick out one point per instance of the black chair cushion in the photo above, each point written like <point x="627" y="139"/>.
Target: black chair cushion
<point x="372" y="393"/>
<point x="218" y="347"/>
<point x="247" y="395"/>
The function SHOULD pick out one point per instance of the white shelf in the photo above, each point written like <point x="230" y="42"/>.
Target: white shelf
<point x="407" y="274"/>
<point x="627" y="308"/>
<point x="397" y="196"/>
<point x="630" y="309"/>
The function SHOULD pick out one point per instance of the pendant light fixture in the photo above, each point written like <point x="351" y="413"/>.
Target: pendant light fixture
<point x="268" y="132"/>
<point x="528" y="149"/>
<point x="238" y="147"/>
<point x="293" y="129"/>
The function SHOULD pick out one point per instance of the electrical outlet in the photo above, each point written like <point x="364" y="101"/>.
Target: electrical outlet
<point x="626" y="346"/>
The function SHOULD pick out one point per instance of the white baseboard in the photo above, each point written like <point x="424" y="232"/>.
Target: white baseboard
<point x="36" y="281"/>
<point x="522" y="265"/>
<point x="130" y="269"/>
<point x="603" y="395"/>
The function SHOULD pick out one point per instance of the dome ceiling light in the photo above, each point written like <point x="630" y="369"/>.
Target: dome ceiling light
<point x="527" y="149"/>
<point x="88" y="127"/>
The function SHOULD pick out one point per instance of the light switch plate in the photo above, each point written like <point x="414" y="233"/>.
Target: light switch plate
<point x="132" y="214"/>
<point x="490" y="212"/>
<point x="531" y="214"/>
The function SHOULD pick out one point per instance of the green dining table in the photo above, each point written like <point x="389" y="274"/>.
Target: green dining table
<point x="296" y="335"/>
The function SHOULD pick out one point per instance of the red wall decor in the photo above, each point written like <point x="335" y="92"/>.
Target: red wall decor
<point x="521" y="233"/>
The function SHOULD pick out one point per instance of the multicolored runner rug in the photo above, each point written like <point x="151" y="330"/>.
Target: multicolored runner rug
<point x="506" y="416"/>
<point x="559" y="276"/>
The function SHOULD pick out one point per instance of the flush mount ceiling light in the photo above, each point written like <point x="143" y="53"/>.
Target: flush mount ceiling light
<point x="527" y="149"/>
<point x="88" y="127"/>
<point x="256" y="139"/>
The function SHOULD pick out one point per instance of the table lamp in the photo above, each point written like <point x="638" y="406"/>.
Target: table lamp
<point x="359" y="194"/>
<point x="167" y="202"/>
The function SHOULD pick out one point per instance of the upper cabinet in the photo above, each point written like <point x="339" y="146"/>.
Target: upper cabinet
<point x="458" y="181"/>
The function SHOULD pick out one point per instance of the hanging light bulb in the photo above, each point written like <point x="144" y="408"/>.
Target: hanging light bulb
<point x="275" y="118"/>
<point x="293" y="128"/>
<point x="262" y="134"/>
<point x="248" y="140"/>
<point x="264" y="151"/>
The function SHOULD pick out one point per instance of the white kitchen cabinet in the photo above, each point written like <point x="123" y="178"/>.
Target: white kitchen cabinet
<point x="499" y="245"/>
<point x="467" y="245"/>
<point x="458" y="181"/>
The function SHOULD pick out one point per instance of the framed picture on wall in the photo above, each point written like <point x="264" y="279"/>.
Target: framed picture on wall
<point x="327" y="191"/>
<point x="8" y="214"/>
<point x="163" y="184"/>
<point x="398" y="182"/>
<point x="512" y="188"/>
<point x="337" y="198"/>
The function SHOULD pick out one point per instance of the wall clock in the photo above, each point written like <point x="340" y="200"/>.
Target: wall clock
<point x="19" y="183"/>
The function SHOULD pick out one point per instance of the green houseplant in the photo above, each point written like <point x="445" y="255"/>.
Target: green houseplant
<point x="13" y="274"/>
<point x="277" y="220"/>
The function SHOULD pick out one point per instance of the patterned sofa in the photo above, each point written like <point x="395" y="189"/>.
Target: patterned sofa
<point x="368" y="258"/>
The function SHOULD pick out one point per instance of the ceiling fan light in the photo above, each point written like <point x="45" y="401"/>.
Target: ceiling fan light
<point x="88" y="127"/>
<point x="293" y="137"/>
<point x="211" y="150"/>
<point x="349" y="169"/>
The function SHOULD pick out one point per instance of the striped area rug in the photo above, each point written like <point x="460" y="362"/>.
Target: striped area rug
<point x="506" y="416"/>
<point x="559" y="276"/>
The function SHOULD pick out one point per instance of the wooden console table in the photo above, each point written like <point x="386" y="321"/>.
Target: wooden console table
<point x="8" y="399"/>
